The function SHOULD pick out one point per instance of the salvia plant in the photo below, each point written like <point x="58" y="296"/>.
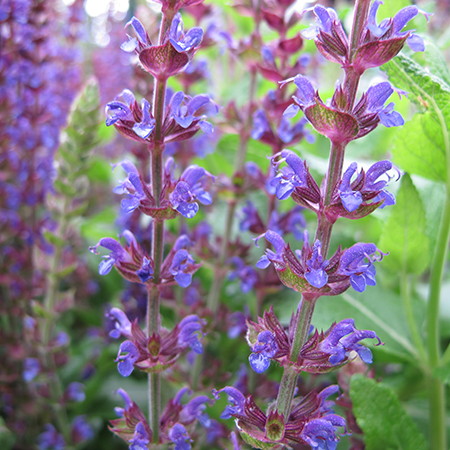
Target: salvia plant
<point x="254" y="253"/>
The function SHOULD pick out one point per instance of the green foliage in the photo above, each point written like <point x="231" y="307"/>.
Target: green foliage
<point x="422" y="145"/>
<point x="381" y="416"/>
<point x="404" y="234"/>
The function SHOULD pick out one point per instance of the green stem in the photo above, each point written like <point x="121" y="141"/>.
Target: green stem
<point x="334" y="175"/>
<point x="301" y="330"/>
<point x="435" y="385"/>
<point x="406" y="298"/>
<point x="359" y="20"/>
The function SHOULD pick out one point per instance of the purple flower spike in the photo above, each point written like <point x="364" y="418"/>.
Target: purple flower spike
<point x="184" y="42"/>
<point x="191" y="334"/>
<point x="126" y="362"/>
<point x="140" y="439"/>
<point x="236" y="399"/>
<point x="121" y="323"/>
<point x="352" y="264"/>
<point x="264" y="349"/>
<point x="316" y="275"/>
<point x="180" y="437"/>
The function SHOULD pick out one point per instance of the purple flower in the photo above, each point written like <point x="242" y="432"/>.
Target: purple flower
<point x="190" y="188"/>
<point x="190" y="333"/>
<point x="236" y="399"/>
<point x="237" y="324"/>
<point x="195" y="410"/>
<point x="180" y="437"/>
<point x="128" y="403"/>
<point x="81" y="430"/>
<point x="140" y="439"/>
<point x="50" y="439"/>
<point x="352" y="264"/>
<point x="290" y="177"/>
<point x="142" y="41"/>
<point x="324" y="19"/>
<point x="132" y="185"/>
<point x="75" y="392"/>
<point x="183" y="109"/>
<point x="343" y="339"/>
<point x="31" y="368"/>
<point x="184" y="42"/>
<point x="181" y="261"/>
<point x="246" y="274"/>
<point x="118" y="254"/>
<point x="391" y="28"/>
<point x="377" y="95"/>
<point x="316" y="275"/>
<point x="260" y="125"/>
<point x="350" y="199"/>
<point x="264" y="349"/>
<point x="124" y="116"/>
<point x="321" y="433"/>
<point x="277" y="241"/>
<point x="126" y="362"/>
<point x="121" y="323"/>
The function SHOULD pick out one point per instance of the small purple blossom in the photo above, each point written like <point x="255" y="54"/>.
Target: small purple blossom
<point x="316" y="275"/>
<point x="246" y="274"/>
<point x="236" y="399"/>
<point x="31" y="368"/>
<point x="377" y="95"/>
<point x="195" y="410"/>
<point x="181" y="261"/>
<point x="140" y="439"/>
<point x="128" y="403"/>
<point x="190" y="333"/>
<point x="265" y="348"/>
<point x="118" y="254"/>
<point x="180" y="437"/>
<point x="277" y="241"/>
<point x="321" y="433"/>
<point x="184" y="42"/>
<point x="142" y="40"/>
<point x="50" y="439"/>
<point x="126" y="361"/>
<point x="343" y="339"/>
<point x="352" y="264"/>
<point x="121" y="323"/>
<point x="189" y="189"/>
<point x="75" y="392"/>
<point x="132" y="185"/>
<point x="81" y="430"/>
<point x="290" y="177"/>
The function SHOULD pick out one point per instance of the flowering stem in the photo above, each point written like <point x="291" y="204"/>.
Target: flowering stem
<point x="333" y="176"/>
<point x="288" y="384"/>
<point x="359" y="20"/>
<point x="436" y="391"/>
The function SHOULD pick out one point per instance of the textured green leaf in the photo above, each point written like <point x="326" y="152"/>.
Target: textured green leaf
<point x="419" y="149"/>
<point x="435" y="60"/>
<point x="404" y="235"/>
<point x="423" y="145"/>
<point x="383" y="419"/>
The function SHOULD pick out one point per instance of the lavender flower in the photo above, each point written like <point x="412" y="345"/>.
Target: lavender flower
<point x="140" y="439"/>
<point x="180" y="437"/>
<point x="50" y="439"/>
<point x="184" y="42"/>
<point x="126" y="361"/>
<point x="132" y="185"/>
<point x="264" y="349"/>
<point x="181" y="261"/>
<point x="190" y="333"/>
<point x="75" y="392"/>
<point x="31" y="369"/>
<point x="81" y="430"/>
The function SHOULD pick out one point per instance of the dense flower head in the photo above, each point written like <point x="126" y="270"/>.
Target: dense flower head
<point x="378" y="43"/>
<point x="334" y="121"/>
<point x="158" y="352"/>
<point x="311" y="421"/>
<point x="322" y="352"/>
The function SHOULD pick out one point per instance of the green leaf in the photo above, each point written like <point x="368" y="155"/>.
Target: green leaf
<point x="426" y="137"/>
<point x="419" y="148"/>
<point x="383" y="419"/>
<point x="53" y="239"/>
<point x="404" y="235"/>
<point x="436" y="61"/>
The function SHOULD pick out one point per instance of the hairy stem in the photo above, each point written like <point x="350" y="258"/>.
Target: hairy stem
<point x="288" y="384"/>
